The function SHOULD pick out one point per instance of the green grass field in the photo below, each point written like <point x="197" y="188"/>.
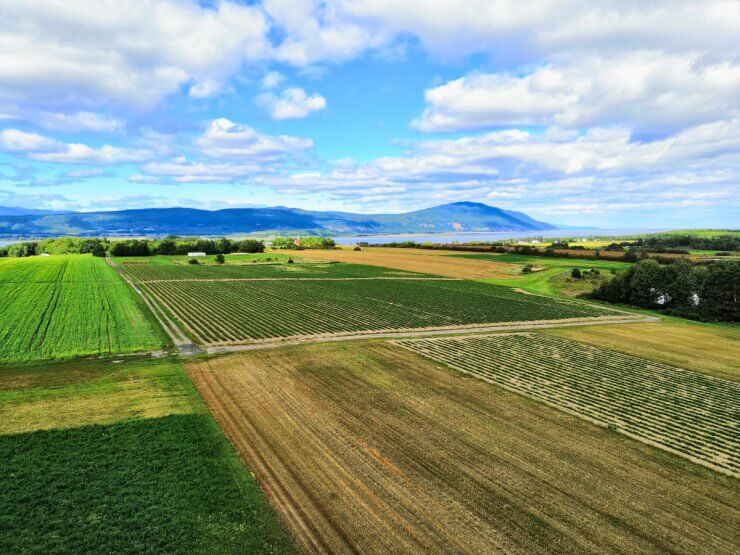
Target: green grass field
<point x="69" y="306"/>
<point x="221" y="305"/>
<point x="122" y="457"/>
<point x="551" y="277"/>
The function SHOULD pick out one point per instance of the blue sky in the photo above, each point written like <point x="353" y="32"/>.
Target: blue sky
<point x="609" y="114"/>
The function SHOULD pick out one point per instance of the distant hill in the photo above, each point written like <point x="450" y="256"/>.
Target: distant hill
<point x="16" y="211"/>
<point x="458" y="216"/>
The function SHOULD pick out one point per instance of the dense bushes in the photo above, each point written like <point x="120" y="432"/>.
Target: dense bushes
<point x="699" y="292"/>
<point x="299" y="243"/>
<point x="175" y="245"/>
<point x="664" y="242"/>
<point x="131" y="247"/>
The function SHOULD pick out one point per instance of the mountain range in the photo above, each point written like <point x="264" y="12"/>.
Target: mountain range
<point x="457" y="216"/>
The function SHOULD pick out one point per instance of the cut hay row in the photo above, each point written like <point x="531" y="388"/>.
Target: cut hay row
<point x="685" y="412"/>
<point x="233" y="312"/>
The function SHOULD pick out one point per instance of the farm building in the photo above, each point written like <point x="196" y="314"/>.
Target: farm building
<point x="196" y="254"/>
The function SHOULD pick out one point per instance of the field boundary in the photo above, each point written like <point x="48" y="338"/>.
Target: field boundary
<point x="422" y="332"/>
<point x="373" y="278"/>
<point x="184" y="345"/>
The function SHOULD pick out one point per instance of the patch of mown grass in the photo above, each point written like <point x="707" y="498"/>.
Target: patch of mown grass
<point x="169" y="484"/>
<point x="75" y="393"/>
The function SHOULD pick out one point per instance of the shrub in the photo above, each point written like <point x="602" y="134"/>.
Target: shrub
<point x="575" y="273"/>
<point x="193" y="261"/>
<point x="527" y="269"/>
<point x="220" y="259"/>
<point x="290" y="261"/>
<point x="357" y="248"/>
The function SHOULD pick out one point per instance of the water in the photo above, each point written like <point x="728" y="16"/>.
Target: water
<point x="464" y="237"/>
<point x="486" y="236"/>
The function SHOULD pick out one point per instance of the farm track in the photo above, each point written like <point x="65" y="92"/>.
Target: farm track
<point x="371" y="278"/>
<point x="416" y="332"/>
<point x="184" y="345"/>
<point x="680" y="411"/>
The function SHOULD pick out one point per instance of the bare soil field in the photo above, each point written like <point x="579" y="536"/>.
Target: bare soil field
<point x="368" y="447"/>
<point x="417" y="260"/>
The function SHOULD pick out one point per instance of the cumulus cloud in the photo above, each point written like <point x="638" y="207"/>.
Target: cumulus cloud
<point x="13" y="140"/>
<point x="292" y="103"/>
<point x="126" y="51"/>
<point x="644" y="91"/>
<point x="226" y="139"/>
<point x="272" y="79"/>
<point x="39" y="147"/>
<point x="76" y="121"/>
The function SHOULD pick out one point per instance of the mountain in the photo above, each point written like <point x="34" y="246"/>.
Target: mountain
<point x="16" y="211"/>
<point x="458" y="216"/>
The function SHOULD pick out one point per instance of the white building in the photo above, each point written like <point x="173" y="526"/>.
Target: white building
<point x="193" y="254"/>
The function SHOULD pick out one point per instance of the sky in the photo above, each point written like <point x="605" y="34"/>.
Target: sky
<point x="619" y="114"/>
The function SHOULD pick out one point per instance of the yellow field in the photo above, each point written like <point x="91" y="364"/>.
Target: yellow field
<point x="435" y="262"/>
<point x="713" y="350"/>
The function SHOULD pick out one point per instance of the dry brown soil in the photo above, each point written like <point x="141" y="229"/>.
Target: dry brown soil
<point x="366" y="447"/>
<point x="418" y="260"/>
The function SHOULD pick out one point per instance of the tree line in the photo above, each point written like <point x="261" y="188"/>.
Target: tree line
<point x="700" y="292"/>
<point x="171" y="245"/>
<point x="305" y="242"/>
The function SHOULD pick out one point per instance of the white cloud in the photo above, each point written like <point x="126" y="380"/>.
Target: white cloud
<point x="78" y="121"/>
<point x="292" y="103"/>
<point x="645" y="91"/>
<point x="127" y="51"/>
<point x="272" y="79"/>
<point x="205" y="88"/>
<point x="13" y="140"/>
<point x="38" y="147"/>
<point x="226" y="139"/>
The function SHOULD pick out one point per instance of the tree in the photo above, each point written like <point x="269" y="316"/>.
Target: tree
<point x="575" y="273"/>
<point x="220" y="259"/>
<point x="718" y="295"/>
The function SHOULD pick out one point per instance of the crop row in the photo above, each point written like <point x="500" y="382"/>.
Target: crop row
<point x="688" y="413"/>
<point x="240" y="311"/>
<point x="65" y="307"/>
<point x="156" y="270"/>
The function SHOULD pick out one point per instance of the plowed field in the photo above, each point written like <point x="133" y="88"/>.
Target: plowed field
<point x="367" y="447"/>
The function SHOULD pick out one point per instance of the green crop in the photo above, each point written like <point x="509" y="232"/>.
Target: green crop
<point x="64" y="306"/>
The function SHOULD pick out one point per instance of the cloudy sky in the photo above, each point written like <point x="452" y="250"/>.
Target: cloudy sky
<point x="611" y="113"/>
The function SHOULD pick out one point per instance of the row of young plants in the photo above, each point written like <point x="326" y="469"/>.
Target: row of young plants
<point x="66" y="307"/>
<point x="153" y="271"/>
<point x="688" y="413"/>
<point x="239" y="311"/>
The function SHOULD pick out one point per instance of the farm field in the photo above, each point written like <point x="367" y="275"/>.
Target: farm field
<point x="551" y="276"/>
<point x="102" y="456"/>
<point x="418" y="260"/>
<point x="688" y="413"/>
<point x="399" y="453"/>
<point x="68" y="306"/>
<point x="162" y="270"/>
<point x="231" y="310"/>
<point x="710" y="349"/>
